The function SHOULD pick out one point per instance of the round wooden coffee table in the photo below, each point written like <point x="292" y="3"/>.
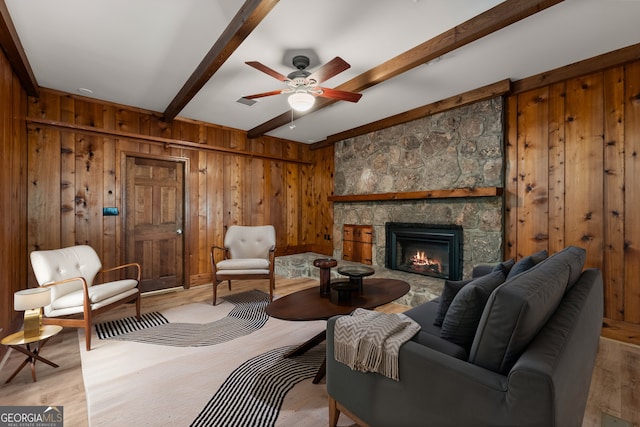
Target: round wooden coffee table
<point x="308" y="305"/>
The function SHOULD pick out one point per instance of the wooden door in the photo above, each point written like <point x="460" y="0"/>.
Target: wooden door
<point x="154" y="220"/>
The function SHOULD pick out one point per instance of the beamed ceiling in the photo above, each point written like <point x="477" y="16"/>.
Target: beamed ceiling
<point x="186" y="58"/>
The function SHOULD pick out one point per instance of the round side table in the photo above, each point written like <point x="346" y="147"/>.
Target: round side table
<point x="356" y="273"/>
<point x="325" y="264"/>
<point x="17" y="340"/>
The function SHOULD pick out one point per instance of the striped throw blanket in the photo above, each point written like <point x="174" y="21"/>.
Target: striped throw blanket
<point x="369" y="341"/>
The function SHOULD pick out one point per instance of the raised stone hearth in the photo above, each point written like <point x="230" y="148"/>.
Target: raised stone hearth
<point x="423" y="288"/>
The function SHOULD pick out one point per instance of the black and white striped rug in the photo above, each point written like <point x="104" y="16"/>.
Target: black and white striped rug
<point x="253" y="394"/>
<point x="185" y="380"/>
<point x="247" y="316"/>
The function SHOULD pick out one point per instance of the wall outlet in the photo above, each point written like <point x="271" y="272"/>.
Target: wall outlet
<point x="611" y="421"/>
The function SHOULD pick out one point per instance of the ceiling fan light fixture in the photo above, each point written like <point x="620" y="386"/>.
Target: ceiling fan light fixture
<point x="301" y="101"/>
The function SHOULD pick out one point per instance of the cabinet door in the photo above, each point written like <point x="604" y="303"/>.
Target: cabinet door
<point x="348" y="232"/>
<point x="347" y="250"/>
<point x="365" y="234"/>
<point x="366" y="253"/>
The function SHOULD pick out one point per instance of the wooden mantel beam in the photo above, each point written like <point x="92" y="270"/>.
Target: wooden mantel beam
<point x="12" y="47"/>
<point x="494" y="19"/>
<point x="419" y="195"/>
<point x="246" y="20"/>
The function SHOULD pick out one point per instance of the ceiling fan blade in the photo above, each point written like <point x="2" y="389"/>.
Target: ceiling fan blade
<point x="330" y="69"/>
<point x="340" y="94"/>
<point x="262" y="95"/>
<point x="273" y="73"/>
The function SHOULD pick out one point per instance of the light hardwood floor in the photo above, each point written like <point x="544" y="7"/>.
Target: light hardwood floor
<point x="615" y="387"/>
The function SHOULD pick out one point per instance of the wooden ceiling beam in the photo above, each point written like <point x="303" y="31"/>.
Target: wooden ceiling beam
<point x="14" y="51"/>
<point x="246" y="20"/>
<point x="494" y="19"/>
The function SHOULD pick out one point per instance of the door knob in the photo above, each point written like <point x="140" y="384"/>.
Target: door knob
<point x="179" y="231"/>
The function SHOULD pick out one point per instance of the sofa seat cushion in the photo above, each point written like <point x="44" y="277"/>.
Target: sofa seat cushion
<point x="519" y="308"/>
<point x="461" y="321"/>
<point x="97" y="293"/>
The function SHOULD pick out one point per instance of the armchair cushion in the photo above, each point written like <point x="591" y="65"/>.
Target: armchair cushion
<point x="250" y="241"/>
<point x="66" y="263"/>
<point x="243" y="264"/>
<point x="226" y="273"/>
<point x="97" y="293"/>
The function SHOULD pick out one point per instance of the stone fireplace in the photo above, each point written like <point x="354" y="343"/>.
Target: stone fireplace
<point x="458" y="148"/>
<point x="427" y="249"/>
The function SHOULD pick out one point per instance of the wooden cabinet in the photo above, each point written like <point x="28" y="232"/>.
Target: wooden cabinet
<point x="357" y="243"/>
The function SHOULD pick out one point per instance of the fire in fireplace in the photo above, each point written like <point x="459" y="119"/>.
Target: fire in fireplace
<point x="427" y="249"/>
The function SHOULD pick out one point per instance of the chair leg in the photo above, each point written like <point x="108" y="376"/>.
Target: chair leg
<point x="272" y="286"/>
<point x="215" y="291"/>
<point x="138" y="308"/>
<point x="87" y="331"/>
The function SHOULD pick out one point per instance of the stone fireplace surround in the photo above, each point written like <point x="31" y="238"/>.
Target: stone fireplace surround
<point x="458" y="148"/>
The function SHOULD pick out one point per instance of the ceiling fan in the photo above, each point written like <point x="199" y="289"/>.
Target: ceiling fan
<point x="302" y="85"/>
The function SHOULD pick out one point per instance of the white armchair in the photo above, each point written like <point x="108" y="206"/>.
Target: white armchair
<point x="248" y="253"/>
<point x="70" y="272"/>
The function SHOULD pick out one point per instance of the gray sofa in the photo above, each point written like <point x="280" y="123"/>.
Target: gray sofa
<point x="529" y="361"/>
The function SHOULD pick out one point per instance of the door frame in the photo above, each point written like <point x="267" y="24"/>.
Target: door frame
<point x="186" y="249"/>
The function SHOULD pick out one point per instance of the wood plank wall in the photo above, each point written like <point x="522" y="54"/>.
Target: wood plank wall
<point x="13" y="198"/>
<point x="573" y="177"/>
<point x="73" y="174"/>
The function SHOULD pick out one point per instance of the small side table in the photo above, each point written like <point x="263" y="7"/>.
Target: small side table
<point x="356" y="273"/>
<point x="325" y="264"/>
<point x="17" y="340"/>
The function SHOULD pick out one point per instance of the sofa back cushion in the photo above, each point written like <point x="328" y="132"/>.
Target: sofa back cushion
<point x="526" y="263"/>
<point x="449" y="292"/>
<point x="461" y="319"/>
<point x="519" y="308"/>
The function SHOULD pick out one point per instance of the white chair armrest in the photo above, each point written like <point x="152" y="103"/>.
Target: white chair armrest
<point x="123" y="266"/>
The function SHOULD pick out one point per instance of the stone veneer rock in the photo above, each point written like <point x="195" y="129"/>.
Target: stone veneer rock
<point x="423" y="288"/>
<point x="458" y="148"/>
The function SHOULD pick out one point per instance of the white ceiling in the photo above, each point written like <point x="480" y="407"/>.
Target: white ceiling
<point x="141" y="52"/>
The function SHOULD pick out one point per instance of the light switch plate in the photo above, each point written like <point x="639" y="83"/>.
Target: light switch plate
<point x="110" y="211"/>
